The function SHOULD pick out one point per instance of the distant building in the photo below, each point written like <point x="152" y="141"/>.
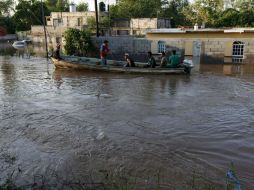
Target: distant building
<point x="58" y="22"/>
<point x="69" y="19"/>
<point x="138" y="26"/>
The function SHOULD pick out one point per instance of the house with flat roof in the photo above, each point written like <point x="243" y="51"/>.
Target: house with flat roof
<point x="138" y="26"/>
<point x="234" y="43"/>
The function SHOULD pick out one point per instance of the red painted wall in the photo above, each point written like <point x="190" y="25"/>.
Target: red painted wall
<point x="3" y="31"/>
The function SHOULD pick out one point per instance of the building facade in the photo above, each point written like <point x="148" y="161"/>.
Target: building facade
<point x="216" y="44"/>
<point x="138" y="26"/>
<point x="69" y="19"/>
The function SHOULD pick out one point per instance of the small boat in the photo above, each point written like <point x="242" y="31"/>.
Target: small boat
<point x="19" y="44"/>
<point x="72" y="62"/>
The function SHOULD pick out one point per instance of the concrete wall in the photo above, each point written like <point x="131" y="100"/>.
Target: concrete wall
<point x="70" y="19"/>
<point x="139" y="26"/>
<point x="136" y="47"/>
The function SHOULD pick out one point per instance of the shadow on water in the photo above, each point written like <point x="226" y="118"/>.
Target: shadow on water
<point x="8" y="77"/>
<point x="233" y="67"/>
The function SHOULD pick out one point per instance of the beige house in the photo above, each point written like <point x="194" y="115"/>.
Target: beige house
<point x="235" y="43"/>
<point x="69" y="19"/>
<point x="138" y="26"/>
<point x="58" y="22"/>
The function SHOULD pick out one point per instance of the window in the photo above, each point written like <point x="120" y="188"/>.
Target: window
<point x="57" y="22"/>
<point x="79" y="22"/>
<point x="161" y="46"/>
<point x="238" y="48"/>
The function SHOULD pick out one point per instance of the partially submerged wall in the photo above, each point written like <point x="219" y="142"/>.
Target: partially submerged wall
<point x="136" y="47"/>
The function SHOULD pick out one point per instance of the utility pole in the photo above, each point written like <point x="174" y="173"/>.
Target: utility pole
<point x="97" y="19"/>
<point x="43" y="21"/>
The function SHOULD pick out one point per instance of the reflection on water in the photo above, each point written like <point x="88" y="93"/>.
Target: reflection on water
<point x="64" y="120"/>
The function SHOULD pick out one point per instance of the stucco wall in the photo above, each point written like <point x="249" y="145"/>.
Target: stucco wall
<point x="217" y="45"/>
<point x="70" y="19"/>
<point x="144" y="23"/>
<point x="136" y="47"/>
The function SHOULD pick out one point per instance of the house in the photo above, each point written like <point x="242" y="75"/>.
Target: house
<point x="234" y="44"/>
<point x="69" y="19"/>
<point x="138" y="26"/>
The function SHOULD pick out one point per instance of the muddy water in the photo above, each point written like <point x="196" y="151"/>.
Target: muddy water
<point x="78" y="123"/>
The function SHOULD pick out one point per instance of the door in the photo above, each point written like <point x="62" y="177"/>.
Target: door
<point x="196" y="51"/>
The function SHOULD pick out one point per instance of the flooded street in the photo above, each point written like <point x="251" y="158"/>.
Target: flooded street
<point x="77" y="124"/>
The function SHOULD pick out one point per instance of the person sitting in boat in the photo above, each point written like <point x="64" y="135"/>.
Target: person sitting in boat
<point x="151" y="61"/>
<point x="129" y="61"/>
<point x="164" y="60"/>
<point x="57" y="52"/>
<point x="174" y="60"/>
<point x="104" y="50"/>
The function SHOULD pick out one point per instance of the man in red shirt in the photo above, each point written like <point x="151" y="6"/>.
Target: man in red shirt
<point x="104" y="49"/>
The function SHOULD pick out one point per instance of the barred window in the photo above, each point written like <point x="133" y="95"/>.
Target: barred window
<point x="161" y="46"/>
<point x="238" y="48"/>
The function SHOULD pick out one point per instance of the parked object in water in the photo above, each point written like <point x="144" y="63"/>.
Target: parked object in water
<point x="20" y="44"/>
<point x="80" y="63"/>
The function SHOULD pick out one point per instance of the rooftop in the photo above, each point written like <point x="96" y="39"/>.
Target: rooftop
<point x="191" y="30"/>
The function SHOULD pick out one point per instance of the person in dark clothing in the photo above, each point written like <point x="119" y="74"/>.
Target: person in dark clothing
<point x="129" y="61"/>
<point x="151" y="61"/>
<point x="57" y="52"/>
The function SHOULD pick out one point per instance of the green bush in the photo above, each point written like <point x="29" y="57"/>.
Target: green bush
<point x="78" y="42"/>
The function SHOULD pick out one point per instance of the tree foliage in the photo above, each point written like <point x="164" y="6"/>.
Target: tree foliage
<point x="6" y="6"/>
<point x="127" y="9"/>
<point x="57" y="5"/>
<point x="78" y="42"/>
<point x="82" y="7"/>
<point x="28" y="14"/>
<point x="7" y="23"/>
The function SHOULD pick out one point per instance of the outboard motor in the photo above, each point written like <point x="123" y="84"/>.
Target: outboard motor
<point x="188" y="65"/>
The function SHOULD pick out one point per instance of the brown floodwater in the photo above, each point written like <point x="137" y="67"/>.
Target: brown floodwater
<point x="77" y="124"/>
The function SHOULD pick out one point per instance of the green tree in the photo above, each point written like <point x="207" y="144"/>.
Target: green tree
<point x="172" y="9"/>
<point x="246" y="18"/>
<point x="244" y="5"/>
<point x="28" y="14"/>
<point x="175" y="11"/>
<point x="206" y="11"/>
<point x="51" y="5"/>
<point x="127" y="9"/>
<point x="78" y="42"/>
<point x="8" y="23"/>
<point x="82" y="7"/>
<point x="62" y="5"/>
<point x="57" y="5"/>
<point x="6" y="6"/>
<point x="228" y="18"/>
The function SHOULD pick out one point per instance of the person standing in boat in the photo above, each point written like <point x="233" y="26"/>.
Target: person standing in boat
<point x="57" y="52"/>
<point x="151" y="61"/>
<point x="174" y="60"/>
<point x="129" y="61"/>
<point x="104" y="50"/>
